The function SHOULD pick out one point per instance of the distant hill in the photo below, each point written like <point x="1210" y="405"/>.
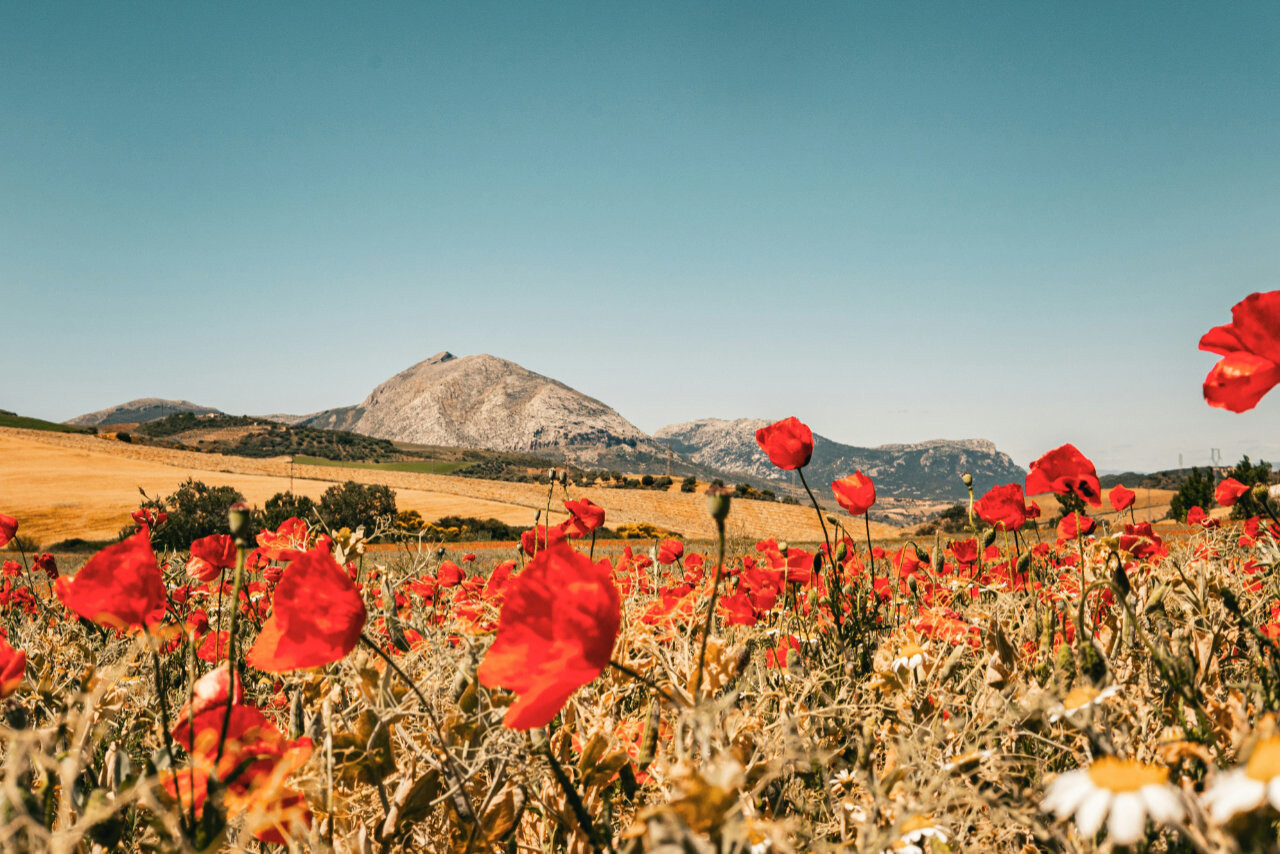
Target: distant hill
<point x="137" y="411"/>
<point x="924" y="470"/>
<point x="482" y="401"/>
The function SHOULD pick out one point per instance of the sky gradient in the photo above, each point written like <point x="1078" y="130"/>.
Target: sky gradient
<point x="896" y="221"/>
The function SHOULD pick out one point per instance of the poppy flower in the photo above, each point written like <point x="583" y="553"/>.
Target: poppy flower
<point x="1075" y="524"/>
<point x="855" y="493"/>
<point x="670" y="551"/>
<point x="1033" y="510"/>
<point x="316" y="617"/>
<point x="286" y="542"/>
<point x="119" y="587"/>
<point x="584" y="516"/>
<point x="449" y="574"/>
<point x="149" y="517"/>
<point x="1063" y="470"/>
<point x="789" y="443"/>
<point x="1229" y="492"/>
<point x="469" y="557"/>
<point x="541" y="537"/>
<point x="1197" y="516"/>
<point x="1003" y="507"/>
<point x="556" y="631"/>
<point x="1250" y="347"/>
<point x="47" y="564"/>
<point x="13" y="667"/>
<point x="8" y="527"/>
<point x="1141" y="541"/>
<point x="1121" y="499"/>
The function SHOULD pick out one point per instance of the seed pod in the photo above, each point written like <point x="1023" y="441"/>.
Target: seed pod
<point x="1024" y="562"/>
<point x="842" y="551"/>
<point x="238" y="523"/>
<point x="967" y="479"/>
<point x="989" y="537"/>
<point x="718" y="502"/>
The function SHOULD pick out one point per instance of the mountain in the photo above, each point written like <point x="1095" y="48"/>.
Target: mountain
<point x="138" y="411"/>
<point x="924" y="470"/>
<point x="482" y="401"/>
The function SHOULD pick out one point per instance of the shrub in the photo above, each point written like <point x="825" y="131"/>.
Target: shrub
<point x="351" y="504"/>
<point x="1196" y="491"/>
<point x="689" y="484"/>
<point x="285" y="505"/>
<point x="195" y="510"/>
<point x="1250" y="474"/>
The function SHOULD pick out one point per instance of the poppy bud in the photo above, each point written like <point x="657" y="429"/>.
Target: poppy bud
<point x="1260" y="493"/>
<point x="1121" y="579"/>
<point x="718" y="502"/>
<point x="551" y="475"/>
<point x="911" y="585"/>
<point x="817" y="562"/>
<point x="813" y="596"/>
<point x="1024" y="562"/>
<point x="842" y="551"/>
<point x="783" y="545"/>
<point x="238" y="523"/>
<point x="967" y="479"/>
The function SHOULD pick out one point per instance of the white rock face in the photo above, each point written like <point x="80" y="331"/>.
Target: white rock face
<point x="486" y="402"/>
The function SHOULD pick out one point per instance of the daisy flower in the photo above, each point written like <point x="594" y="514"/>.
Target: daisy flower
<point x="917" y="832"/>
<point x="1244" y="789"/>
<point x="910" y="656"/>
<point x="1080" y="700"/>
<point x="1126" y="790"/>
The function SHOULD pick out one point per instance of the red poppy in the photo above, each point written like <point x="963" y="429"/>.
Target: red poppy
<point x="1003" y="507"/>
<point x="8" y="527"/>
<point x="1229" y="492"/>
<point x="1064" y="470"/>
<point x="855" y="493"/>
<point x="556" y="631"/>
<point x="149" y="517"/>
<point x="119" y="587"/>
<point x="1075" y="524"/>
<point x="286" y="542"/>
<point x="540" y="537"/>
<point x="584" y="516"/>
<point x="316" y="617"/>
<point x="1121" y="499"/>
<point x="965" y="551"/>
<point x="449" y="574"/>
<point x="469" y="557"/>
<point x="214" y="647"/>
<point x="1250" y="347"/>
<point x="1141" y="541"/>
<point x="13" y="667"/>
<point x="789" y="443"/>
<point x="1197" y="516"/>
<point x="1033" y="510"/>
<point x="670" y="551"/>
<point x="47" y="564"/>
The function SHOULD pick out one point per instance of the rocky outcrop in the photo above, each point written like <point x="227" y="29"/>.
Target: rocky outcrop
<point x="924" y="470"/>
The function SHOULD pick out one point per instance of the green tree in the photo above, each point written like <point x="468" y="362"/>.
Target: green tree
<point x="1195" y="491"/>
<point x="689" y="484"/>
<point x="285" y="505"/>
<point x="195" y="510"/>
<point x="351" y="504"/>
<point x="1250" y="474"/>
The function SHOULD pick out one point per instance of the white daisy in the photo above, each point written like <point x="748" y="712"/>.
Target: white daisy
<point x="917" y="832"/>
<point x="910" y="656"/>
<point x="1126" y="790"/>
<point x="1246" y="788"/>
<point x="1078" y="701"/>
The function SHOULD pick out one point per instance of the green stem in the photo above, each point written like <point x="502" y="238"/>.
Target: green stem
<point x="231" y="652"/>
<point x="711" y="611"/>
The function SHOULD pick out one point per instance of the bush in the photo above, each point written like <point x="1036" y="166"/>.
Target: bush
<point x="285" y="505"/>
<point x="1196" y="491"/>
<point x="195" y="510"/>
<point x="1250" y="474"/>
<point x="351" y="504"/>
<point x="689" y="484"/>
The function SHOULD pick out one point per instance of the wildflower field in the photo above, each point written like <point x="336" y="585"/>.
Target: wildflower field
<point x="1090" y="683"/>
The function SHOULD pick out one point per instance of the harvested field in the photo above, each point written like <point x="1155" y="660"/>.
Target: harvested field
<point x="71" y="485"/>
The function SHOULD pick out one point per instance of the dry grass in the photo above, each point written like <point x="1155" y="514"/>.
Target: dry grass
<point x="66" y="485"/>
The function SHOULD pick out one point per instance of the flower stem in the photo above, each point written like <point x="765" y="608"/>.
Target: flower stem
<point x="231" y="650"/>
<point x="711" y="611"/>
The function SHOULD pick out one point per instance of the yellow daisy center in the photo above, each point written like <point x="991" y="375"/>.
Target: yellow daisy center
<point x="1264" y="764"/>
<point x="910" y="649"/>
<point x="1079" y="697"/>
<point x="1125" y="775"/>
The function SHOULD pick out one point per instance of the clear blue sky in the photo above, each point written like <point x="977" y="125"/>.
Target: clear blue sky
<point x="897" y="221"/>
